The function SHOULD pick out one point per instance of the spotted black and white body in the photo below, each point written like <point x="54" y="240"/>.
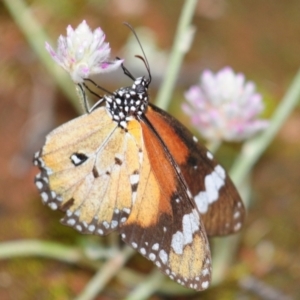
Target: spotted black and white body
<point x="131" y="167"/>
<point x="129" y="102"/>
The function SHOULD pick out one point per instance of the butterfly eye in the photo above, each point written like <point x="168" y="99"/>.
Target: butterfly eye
<point x="78" y="159"/>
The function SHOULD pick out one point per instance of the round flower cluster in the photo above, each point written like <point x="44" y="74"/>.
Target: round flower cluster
<point x="224" y="106"/>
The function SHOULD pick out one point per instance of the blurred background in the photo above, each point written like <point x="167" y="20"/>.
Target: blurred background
<point x="258" y="38"/>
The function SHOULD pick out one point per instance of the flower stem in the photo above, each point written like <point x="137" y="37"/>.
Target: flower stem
<point x="183" y="39"/>
<point x="36" y="37"/>
<point x="105" y="273"/>
<point x="40" y="248"/>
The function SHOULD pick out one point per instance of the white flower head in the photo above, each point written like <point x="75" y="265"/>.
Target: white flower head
<point x="83" y="53"/>
<point x="224" y="106"/>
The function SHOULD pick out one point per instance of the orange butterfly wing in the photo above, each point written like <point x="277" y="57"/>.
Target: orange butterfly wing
<point x="215" y="197"/>
<point x="163" y="225"/>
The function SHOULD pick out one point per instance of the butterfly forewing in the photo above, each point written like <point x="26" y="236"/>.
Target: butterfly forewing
<point x="215" y="196"/>
<point x="163" y="225"/>
<point x="89" y="176"/>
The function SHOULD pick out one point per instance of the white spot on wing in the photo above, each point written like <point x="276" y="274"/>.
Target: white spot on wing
<point x="209" y="155"/>
<point x="75" y="159"/>
<point x="177" y="242"/>
<point x="114" y="224"/>
<point x="45" y="197"/>
<point x="53" y="206"/>
<point x="236" y="215"/>
<point x="48" y="171"/>
<point x="152" y="256"/>
<point x="237" y="226"/>
<point x="91" y="227"/>
<point x="71" y="222"/>
<point x="164" y="257"/>
<point x="221" y="172"/>
<point x="190" y="224"/>
<point x="126" y="210"/>
<point x="134" y="179"/>
<point x="205" y="284"/>
<point x="155" y="247"/>
<point x="202" y="202"/>
<point x="105" y="224"/>
<point x="39" y="185"/>
<point x="205" y="272"/>
<point x="213" y="183"/>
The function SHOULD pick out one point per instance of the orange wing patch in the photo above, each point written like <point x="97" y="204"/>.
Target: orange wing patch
<point x="215" y="196"/>
<point x="163" y="225"/>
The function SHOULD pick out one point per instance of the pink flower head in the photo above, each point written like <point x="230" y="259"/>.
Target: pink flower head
<point x="224" y="106"/>
<point x="83" y="53"/>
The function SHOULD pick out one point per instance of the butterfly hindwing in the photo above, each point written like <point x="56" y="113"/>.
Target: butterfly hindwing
<point x="89" y="175"/>
<point x="215" y="196"/>
<point x="163" y="225"/>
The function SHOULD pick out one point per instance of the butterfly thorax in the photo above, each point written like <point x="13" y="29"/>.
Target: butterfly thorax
<point x="128" y="103"/>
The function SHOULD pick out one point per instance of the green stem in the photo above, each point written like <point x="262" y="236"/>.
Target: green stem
<point x="40" y="248"/>
<point x="105" y="274"/>
<point x="36" y="37"/>
<point x="183" y="39"/>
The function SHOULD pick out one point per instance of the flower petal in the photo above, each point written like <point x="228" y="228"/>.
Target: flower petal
<point x="83" y="53"/>
<point x="224" y="106"/>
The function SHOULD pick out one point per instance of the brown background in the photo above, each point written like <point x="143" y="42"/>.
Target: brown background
<point x="258" y="38"/>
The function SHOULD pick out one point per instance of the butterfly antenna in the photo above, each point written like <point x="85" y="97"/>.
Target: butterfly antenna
<point x="144" y="59"/>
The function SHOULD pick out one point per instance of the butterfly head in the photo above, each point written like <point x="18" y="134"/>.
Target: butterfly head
<point x="129" y="103"/>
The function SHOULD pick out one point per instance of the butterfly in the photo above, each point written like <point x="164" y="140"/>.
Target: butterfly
<point x="129" y="166"/>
